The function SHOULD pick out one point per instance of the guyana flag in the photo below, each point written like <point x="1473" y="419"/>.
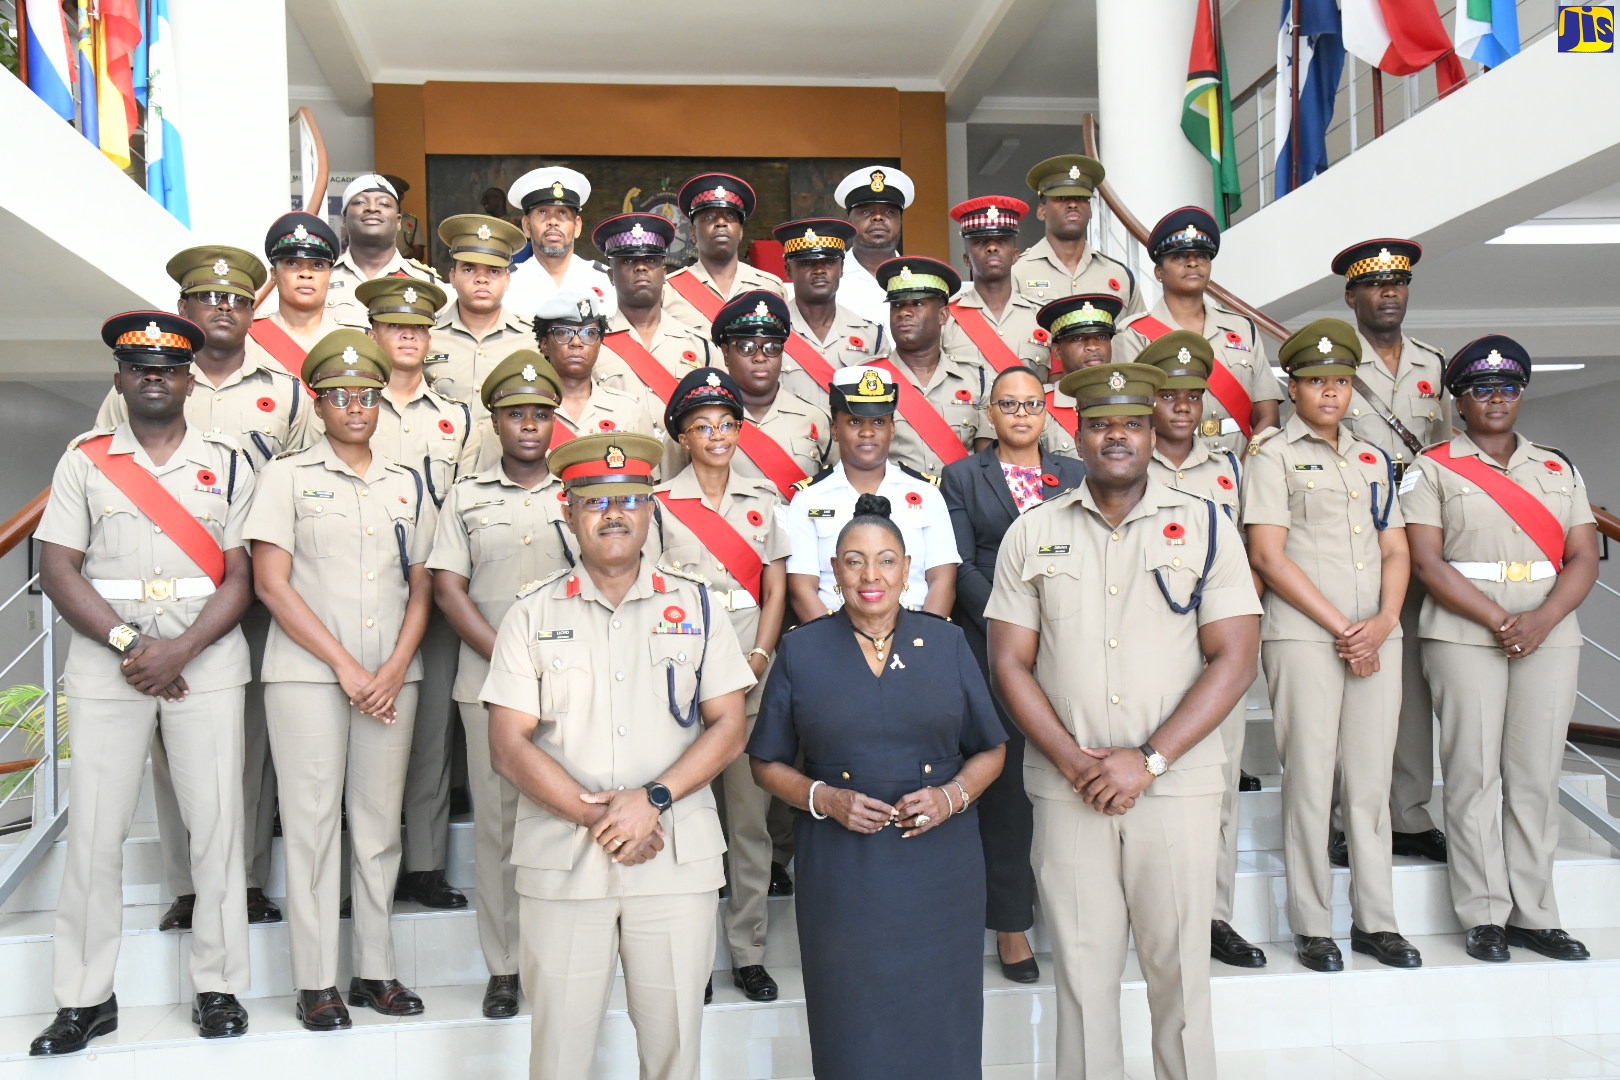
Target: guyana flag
<point x="1206" y="112"/>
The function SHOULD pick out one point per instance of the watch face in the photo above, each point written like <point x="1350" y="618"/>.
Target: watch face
<point x="659" y="796"/>
<point x="122" y="636"/>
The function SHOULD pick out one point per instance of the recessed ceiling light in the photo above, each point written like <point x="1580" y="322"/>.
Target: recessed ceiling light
<point x="1560" y="232"/>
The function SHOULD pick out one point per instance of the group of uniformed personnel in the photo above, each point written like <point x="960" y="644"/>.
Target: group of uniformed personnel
<point x="560" y="499"/>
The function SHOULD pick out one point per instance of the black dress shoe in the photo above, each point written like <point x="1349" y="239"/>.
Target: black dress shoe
<point x="260" y="908"/>
<point x="1553" y="944"/>
<point x="1387" y="947"/>
<point x="1318" y="953"/>
<point x="178" y="917"/>
<point x="708" y="992"/>
<point x="1229" y="947"/>
<point x="1430" y="844"/>
<point x="1339" y="851"/>
<point x="781" y="884"/>
<point x="218" y="1016"/>
<point x="388" y="996"/>
<point x="430" y="889"/>
<point x="1488" y="942"/>
<point x="501" y="997"/>
<point x="755" y="982"/>
<point x="73" y="1028"/>
<point x="1248" y="781"/>
<point x="323" y="1010"/>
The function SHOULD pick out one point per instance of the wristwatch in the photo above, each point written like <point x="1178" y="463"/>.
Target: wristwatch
<point x="1156" y="765"/>
<point x="659" y="796"/>
<point x="123" y="637"/>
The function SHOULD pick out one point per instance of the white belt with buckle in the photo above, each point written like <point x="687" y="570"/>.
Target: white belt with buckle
<point x="1506" y="571"/>
<point x="185" y="588"/>
<point x="734" y="600"/>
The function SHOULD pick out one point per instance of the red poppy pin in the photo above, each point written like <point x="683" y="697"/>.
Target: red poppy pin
<point x="206" y="478"/>
<point x="755" y="518"/>
<point x="1425" y="388"/>
<point x="689" y="356"/>
<point x="856" y="343"/>
<point x="1174" y="531"/>
<point x="562" y="496"/>
<point x="1049" y="480"/>
<point x="1554" y="466"/>
<point x="596" y="290"/>
<point x="266" y="404"/>
<point x="674" y="614"/>
<point x="1113" y="283"/>
<point x="1368" y="458"/>
<point x="607" y="425"/>
<point x="914" y="498"/>
<point x="447" y="427"/>
<point x="964" y="397"/>
<point x="1225" y="482"/>
<point x="1234" y="338"/>
<point x="1040" y="336"/>
<point x="814" y="434"/>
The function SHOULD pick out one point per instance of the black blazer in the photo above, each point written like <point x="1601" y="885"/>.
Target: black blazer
<point x="982" y="510"/>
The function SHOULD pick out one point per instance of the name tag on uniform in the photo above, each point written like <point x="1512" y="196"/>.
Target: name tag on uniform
<point x="338" y="284"/>
<point x="311" y="493"/>
<point x="1032" y="284"/>
<point x="1053" y="549"/>
<point x="554" y="635"/>
<point x="1307" y="468"/>
<point x="824" y="513"/>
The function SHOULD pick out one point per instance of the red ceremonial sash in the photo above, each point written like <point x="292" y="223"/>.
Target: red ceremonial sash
<point x="1527" y="511"/>
<point x="280" y="344"/>
<point x="560" y="434"/>
<point x="708" y="303"/>
<point x="1068" y="418"/>
<point x="1222" y="383"/>
<point x="985" y="338"/>
<point x="931" y="427"/>
<point x="159" y="505"/>
<point x="722" y="539"/>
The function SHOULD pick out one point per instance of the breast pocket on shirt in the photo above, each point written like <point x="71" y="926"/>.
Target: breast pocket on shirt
<point x="1314" y="497"/>
<point x="1057" y="579"/>
<point x="565" y="679"/>
<point x="118" y="529"/>
<point x="440" y="464"/>
<point x="324" y="529"/>
<point x="1555" y="490"/>
<point x="677" y="655"/>
<point x="490" y="532"/>
<point x="1175" y="571"/>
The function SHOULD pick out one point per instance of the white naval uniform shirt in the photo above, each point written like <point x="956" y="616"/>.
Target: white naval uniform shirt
<point x="860" y="292"/>
<point x="820" y="511"/>
<point x="532" y="285"/>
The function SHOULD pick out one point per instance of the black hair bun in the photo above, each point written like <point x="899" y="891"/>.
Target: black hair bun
<point x="876" y="505"/>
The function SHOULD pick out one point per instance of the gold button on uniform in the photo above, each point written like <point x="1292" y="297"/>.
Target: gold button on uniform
<point x="1356" y="529"/>
<point x="365" y="491"/>
<point x="1113" y="643"/>
<point x="371" y="575"/>
<point x="928" y="769"/>
<point x="1113" y="536"/>
<point x="370" y="623"/>
<point x="1113" y="590"/>
<point x="1113" y="699"/>
<point x="1355" y="494"/>
<point x="845" y="775"/>
<point x="1344" y="465"/>
<point x="528" y="539"/>
<point x="370" y="530"/>
<point x="1359" y="566"/>
<point x="1175" y="562"/>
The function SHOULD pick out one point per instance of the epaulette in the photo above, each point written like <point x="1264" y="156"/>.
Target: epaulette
<point x="1433" y="446"/>
<point x="801" y="626"/>
<point x="433" y="275"/>
<point x="1425" y="345"/>
<point x="1554" y="450"/>
<point x="221" y="438"/>
<point x="800" y="485"/>
<point x="932" y="615"/>
<point x="927" y="478"/>
<point x="542" y="582"/>
<point x="696" y="579"/>
<point x="599" y="266"/>
<point x="73" y="444"/>
<point x="288" y="454"/>
<point x="1261" y="439"/>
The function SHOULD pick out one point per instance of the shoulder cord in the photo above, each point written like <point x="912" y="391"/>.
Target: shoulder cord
<point x="1197" y="596"/>
<point x="1381" y="519"/>
<point x="399" y="531"/>
<point x="697" y="689"/>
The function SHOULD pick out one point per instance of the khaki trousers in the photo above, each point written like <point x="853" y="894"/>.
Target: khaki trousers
<point x="1151" y="872"/>
<point x="427" y="780"/>
<point x="748" y="861"/>
<point x="1327" y="717"/>
<point x="1502" y="729"/>
<point x="494" y="819"/>
<point x="328" y="754"/>
<point x="1232" y="729"/>
<point x="258" y="781"/>
<point x="1411" y="783"/>
<point x="110" y="741"/>
<point x="665" y="945"/>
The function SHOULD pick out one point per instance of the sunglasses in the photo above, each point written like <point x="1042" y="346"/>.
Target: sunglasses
<point x="1508" y="391"/>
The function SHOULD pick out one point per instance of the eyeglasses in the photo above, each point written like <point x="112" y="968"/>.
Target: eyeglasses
<point x="598" y="503"/>
<point x="772" y="349"/>
<point x="339" y="397"/>
<point x="562" y="335"/>
<point x="1508" y="391"/>
<point x="214" y="299"/>
<point x="706" y="430"/>
<point x="1011" y="407"/>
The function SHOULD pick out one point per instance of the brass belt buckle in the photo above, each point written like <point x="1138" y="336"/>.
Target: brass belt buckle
<point x="159" y="588"/>
<point x="1518" y="571"/>
<point x="1210" y="428"/>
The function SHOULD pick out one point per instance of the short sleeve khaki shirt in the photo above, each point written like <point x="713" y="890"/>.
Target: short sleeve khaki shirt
<point x="468" y="359"/>
<point x="959" y="382"/>
<point x="1209" y="475"/>
<point x="1414" y="393"/>
<point x="431" y="434"/>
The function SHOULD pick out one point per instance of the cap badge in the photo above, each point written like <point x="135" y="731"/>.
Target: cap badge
<point x="1116" y="381"/>
<point x="1494" y="359"/>
<point x="810" y="236"/>
<point x="1324" y="346"/>
<point x="152" y="331"/>
<point x="1074" y="172"/>
<point x="1190" y="232"/>
<point x="221" y="267"/>
<point x="529" y="374"/>
<point x="1384" y="257"/>
<point x="761" y="310"/>
<point x="719" y="192"/>
<point x="349" y="355"/>
<point x="584" y="309"/>
<point x="1183" y="354"/>
<point x="410" y="294"/>
<point x="557" y="189"/>
<point x="878" y="179"/>
<point x="300" y="233"/>
<point x="905" y="273"/>
<point x="1087" y="311"/>
<point x="484" y="233"/>
<point x="614" y="457"/>
<point x="637" y="231"/>
<point x="713" y="379"/>
<point x="993" y="214"/>
<point x="871" y="384"/>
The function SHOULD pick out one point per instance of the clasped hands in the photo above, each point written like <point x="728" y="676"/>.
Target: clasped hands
<point x="625" y="823"/>
<point x="1358" y="643"/>
<point x="1108" y="779"/>
<point x="922" y="810"/>
<point x="153" y="667"/>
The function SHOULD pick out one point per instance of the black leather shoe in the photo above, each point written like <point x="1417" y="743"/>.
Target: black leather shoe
<point x="755" y="983"/>
<point x="1339" y="851"/>
<point x="1553" y="944"/>
<point x="260" y="908"/>
<point x="1488" y="942"/>
<point x="388" y="996"/>
<point x="1430" y="844"/>
<point x="501" y="997"/>
<point x="1248" y="781"/>
<point x="430" y="889"/>
<point x="1387" y="947"/>
<point x="178" y="917"/>
<point x="781" y="884"/>
<point x="74" y="1028"/>
<point x="218" y="1016"/>
<point x="1318" y="953"/>
<point x="323" y="1010"/>
<point x="708" y="992"/>
<point x="1229" y="947"/>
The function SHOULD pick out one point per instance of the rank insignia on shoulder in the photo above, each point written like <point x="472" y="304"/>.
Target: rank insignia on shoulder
<point x="1308" y="468"/>
<point x="1053" y="549"/>
<point x="311" y="493"/>
<point x="824" y="512"/>
<point x="554" y="635"/>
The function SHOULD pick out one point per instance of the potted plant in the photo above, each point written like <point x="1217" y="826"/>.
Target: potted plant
<point x="22" y="712"/>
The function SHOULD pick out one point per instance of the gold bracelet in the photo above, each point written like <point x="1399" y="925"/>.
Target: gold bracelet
<point x="966" y="798"/>
<point x="761" y="653"/>
<point x="950" y="808"/>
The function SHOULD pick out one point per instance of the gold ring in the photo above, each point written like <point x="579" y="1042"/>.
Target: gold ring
<point x="1518" y="648"/>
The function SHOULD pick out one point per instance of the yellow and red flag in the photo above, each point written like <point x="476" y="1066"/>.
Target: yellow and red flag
<point x="1206" y="112"/>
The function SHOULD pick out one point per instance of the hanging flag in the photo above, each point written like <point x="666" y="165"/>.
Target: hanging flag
<point x="1321" y="63"/>
<point x="50" y="71"/>
<point x="1206" y="111"/>
<point x="165" y="156"/>
<point x="1487" y="31"/>
<point x="86" y="49"/>
<point x="118" y="31"/>
<point x="1402" y="37"/>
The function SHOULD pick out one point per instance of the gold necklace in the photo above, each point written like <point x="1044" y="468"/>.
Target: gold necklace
<point x="879" y="643"/>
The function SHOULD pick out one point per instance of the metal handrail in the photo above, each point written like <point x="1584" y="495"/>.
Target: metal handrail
<point x="39" y="777"/>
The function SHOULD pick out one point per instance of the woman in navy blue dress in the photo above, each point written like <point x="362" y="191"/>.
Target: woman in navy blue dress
<point x="899" y="738"/>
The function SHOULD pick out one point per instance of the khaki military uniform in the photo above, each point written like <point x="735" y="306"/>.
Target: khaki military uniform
<point x="1418" y="400"/>
<point x="611" y="409"/>
<point x="850" y="342"/>
<point x="1016" y="328"/>
<point x="1055" y="438"/>
<point x="748" y="277"/>
<point x="499" y="536"/>
<point x="345" y="534"/>
<point x="959" y="384"/>
<point x="802" y="429"/>
<point x="126" y="556"/>
<point x="331" y="319"/>
<point x="1040" y="275"/>
<point x="675" y="345"/>
<point x="340" y="301"/>
<point x="1090" y="590"/>
<point x="1502" y="721"/>
<point x="749" y="506"/>
<point x="1237" y="346"/>
<point x="1329" y="501"/>
<point x="595" y="676"/>
<point x="469" y="359"/>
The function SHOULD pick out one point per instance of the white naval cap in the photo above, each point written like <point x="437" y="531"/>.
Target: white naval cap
<point x="568" y="305"/>
<point x="552" y="185"/>
<point x="368" y="182"/>
<point x="875" y="183"/>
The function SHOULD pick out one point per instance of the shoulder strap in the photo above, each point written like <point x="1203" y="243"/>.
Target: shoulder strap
<point x="984" y="337"/>
<point x="1222" y="383"/>
<point x="1386" y="414"/>
<point x="623" y="344"/>
<point x="931" y="427"/>
<point x="720" y="537"/>
<point x="1067" y="417"/>
<point x="699" y="295"/>
<point x="1197" y="596"/>
<point x="280" y="345"/>
<point x="159" y="505"/>
<point x="1527" y="511"/>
